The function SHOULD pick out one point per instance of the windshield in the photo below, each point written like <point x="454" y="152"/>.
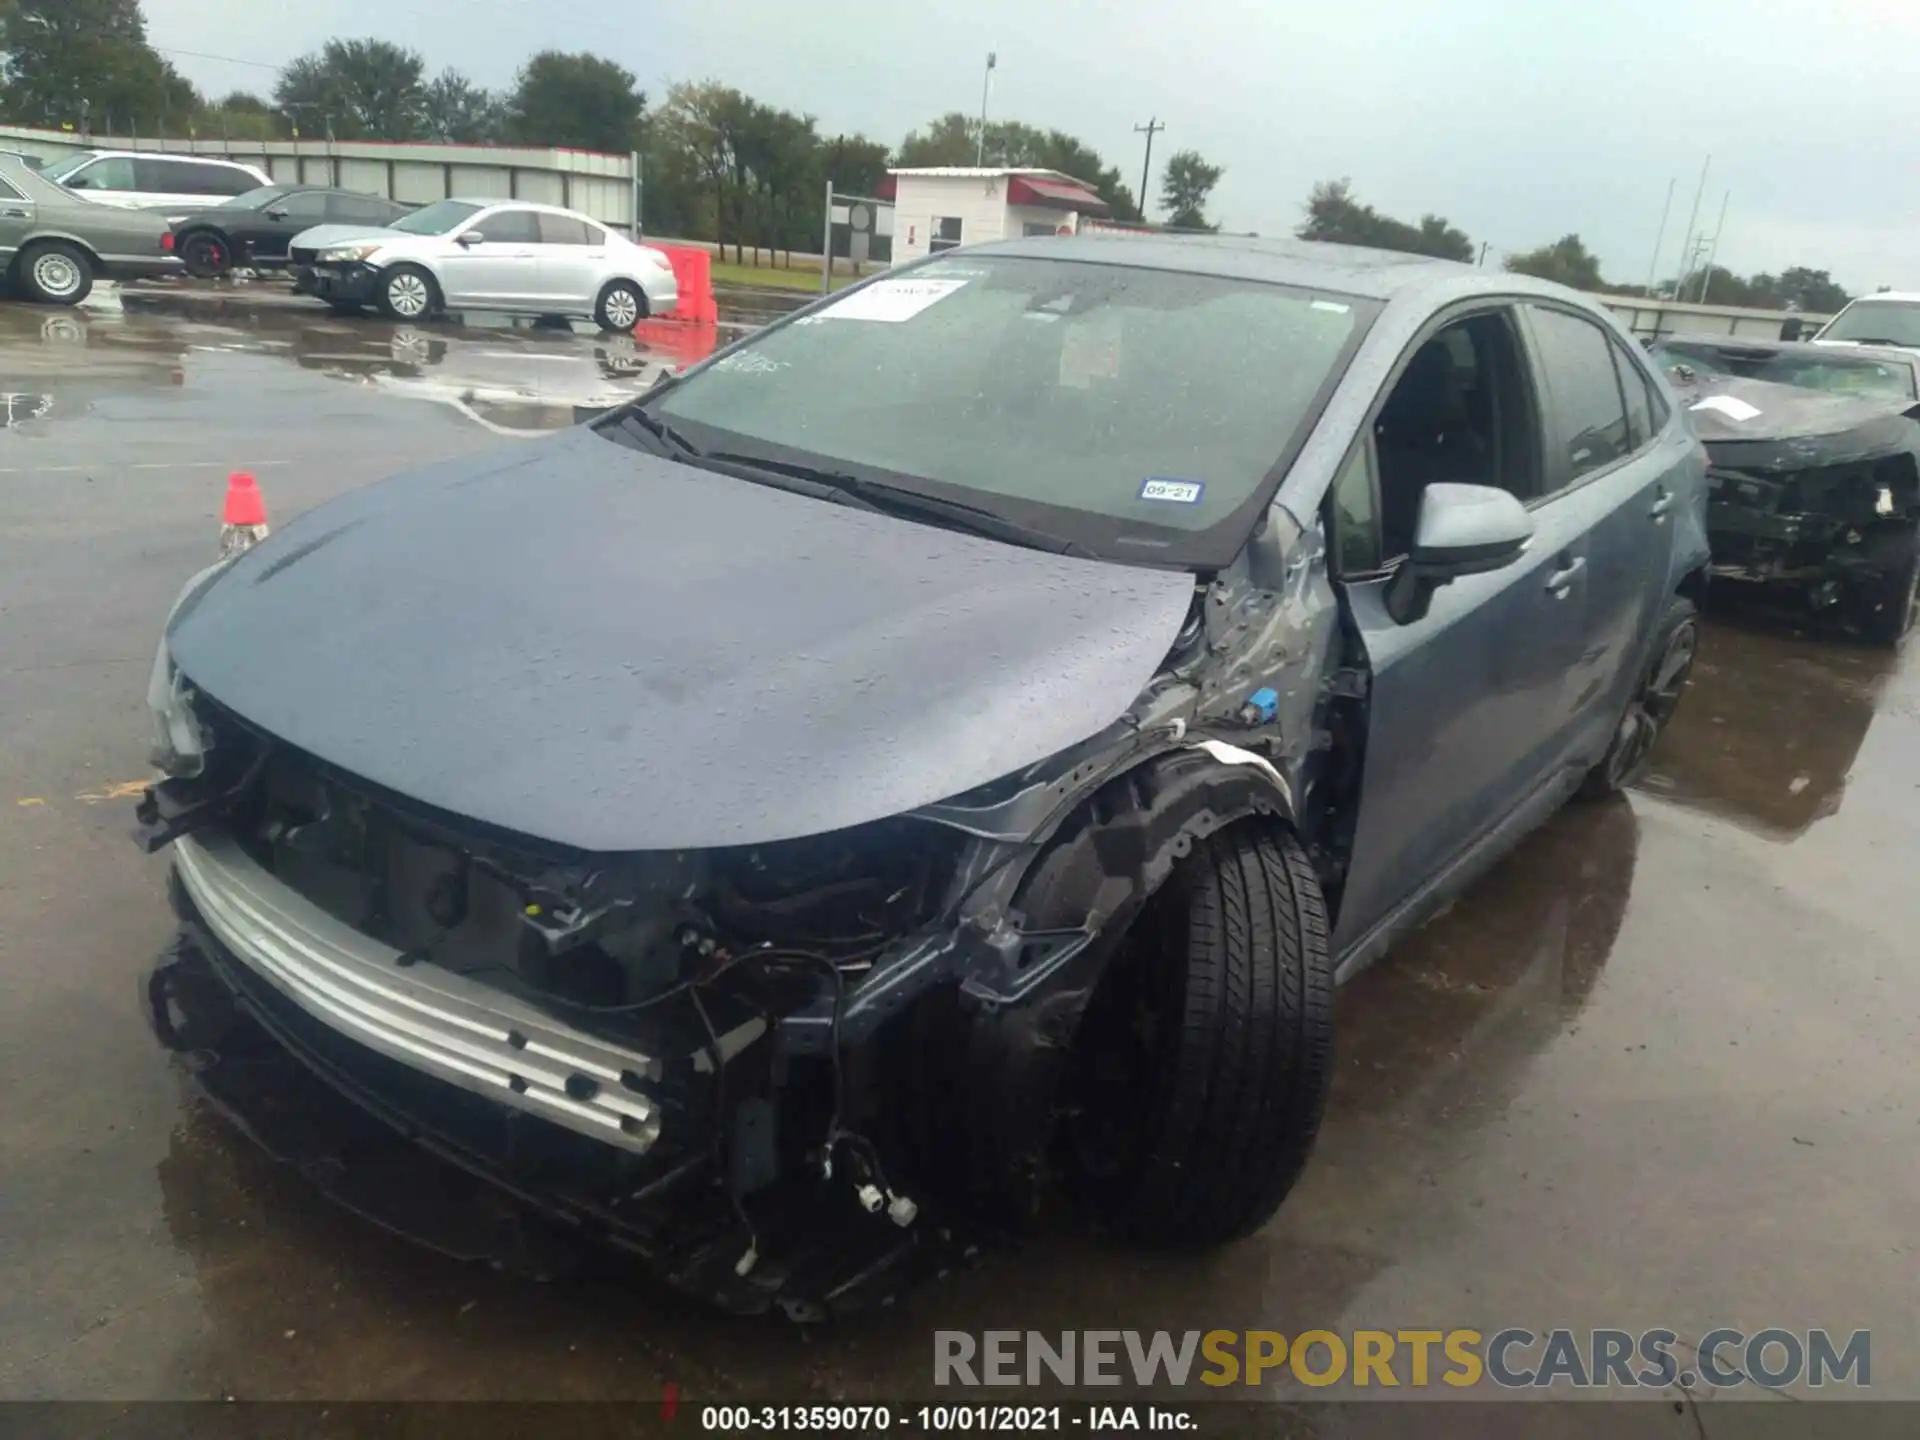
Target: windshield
<point x="437" y="218"/>
<point x="254" y="199"/>
<point x="1872" y="379"/>
<point x="61" y="169"/>
<point x="1127" y="410"/>
<point x="1890" y="322"/>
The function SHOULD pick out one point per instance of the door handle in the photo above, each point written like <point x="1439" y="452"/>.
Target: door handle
<point x="1561" y="580"/>
<point x="16" y="214"/>
<point x="1662" y="504"/>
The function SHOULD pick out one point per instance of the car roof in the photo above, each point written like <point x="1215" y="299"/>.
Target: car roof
<point x="496" y="202"/>
<point x="1308" y="264"/>
<point x="1909" y="297"/>
<point x="173" y="155"/>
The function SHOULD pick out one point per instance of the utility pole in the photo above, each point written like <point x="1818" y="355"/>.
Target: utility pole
<point x="986" y="89"/>
<point x="1714" y="251"/>
<point x="1482" y="261"/>
<point x="1152" y="128"/>
<point x="1687" y="245"/>
<point x="1653" y="264"/>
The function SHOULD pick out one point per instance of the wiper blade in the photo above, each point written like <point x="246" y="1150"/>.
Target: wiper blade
<point x="893" y="500"/>
<point x="638" y="419"/>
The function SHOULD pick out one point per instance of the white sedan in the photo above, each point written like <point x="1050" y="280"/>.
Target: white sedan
<point x="486" y="255"/>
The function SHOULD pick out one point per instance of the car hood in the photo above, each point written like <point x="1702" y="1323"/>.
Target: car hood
<point x="1758" y="425"/>
<point x="609" y="650"/>
<point x="321" y="237"/>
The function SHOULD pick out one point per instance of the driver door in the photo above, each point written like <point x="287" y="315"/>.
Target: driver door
<point x="1470" y="723"/>
<point x="495" y="262"/>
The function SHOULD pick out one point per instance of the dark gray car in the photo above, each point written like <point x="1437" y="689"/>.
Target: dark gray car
<point x="54" y="245"/>
<point x="936" y="756"/>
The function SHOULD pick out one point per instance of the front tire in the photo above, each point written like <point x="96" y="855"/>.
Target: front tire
<point x="1202" y="1066"/>
<point x="1655" y="700"/>
<point x="1883" y="607"/>
<point x="52" y="272"/>
<point x="621" y="307"/>
<point x="206" y="254"/>
<point x="408" y="293"/>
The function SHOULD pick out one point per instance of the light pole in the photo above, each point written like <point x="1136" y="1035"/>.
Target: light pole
<point x="986" y="89"/>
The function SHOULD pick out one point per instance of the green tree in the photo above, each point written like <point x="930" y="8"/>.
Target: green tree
<point x="1814" y="291"/>
<point x="855" y="164"/>
<point x="578" y="102"/>
<point x="456" y="110"/>
<point x="242" y="116"/>
<point x="1335" y="216"/>
<point x="1186" y="187"/>
<point x="1567" y="261"/>
<point x="62" y="60"/>
<point x="358" y="89"/>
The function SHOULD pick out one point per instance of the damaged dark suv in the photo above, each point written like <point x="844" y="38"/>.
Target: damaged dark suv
<point x="933" y="759"/>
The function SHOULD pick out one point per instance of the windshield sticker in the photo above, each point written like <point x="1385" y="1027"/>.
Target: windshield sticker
<point x="1330" y="306"/>
<point x="1728" y="406"/>
<point x="891" y="301"/>
<point x="1179" y="492"/>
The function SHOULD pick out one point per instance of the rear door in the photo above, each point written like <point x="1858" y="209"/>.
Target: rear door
<point x="1468" y="723"/>
<point x="1618" y="482"/>
<point x="109" y="179"/>
<point x="573" y="256"/>
<point x="17" y="215"/>
<point x="499" y="266"/>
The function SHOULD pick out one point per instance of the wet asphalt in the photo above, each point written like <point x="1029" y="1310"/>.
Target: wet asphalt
<point x="1656" y="1070"/>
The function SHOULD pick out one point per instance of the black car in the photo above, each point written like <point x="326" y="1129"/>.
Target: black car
<point x="255" y="228"/>
<point x="1866" y="372"/>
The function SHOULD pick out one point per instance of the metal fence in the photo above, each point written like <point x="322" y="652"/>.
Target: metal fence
<point x="606" y="187"/>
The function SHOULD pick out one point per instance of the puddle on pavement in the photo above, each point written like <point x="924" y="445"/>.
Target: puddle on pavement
<point x="511" y="377"/>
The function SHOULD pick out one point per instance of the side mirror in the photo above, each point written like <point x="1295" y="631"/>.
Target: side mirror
<point x="276" y="214"/>
<point x="1462" y="530"/>
<point x="467" y="239"/>
<point x="80" y="184"/>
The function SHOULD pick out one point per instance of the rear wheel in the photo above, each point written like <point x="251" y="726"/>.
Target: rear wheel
<point x="1653" y="704"/>
<point x="206" y="254"/>
<point x="621" y="307"/>
<point x="1201" y="1068"/>
<point x="1883" y="607"/>
<point x="53" y="272"/>
<point x="407" y="293"/>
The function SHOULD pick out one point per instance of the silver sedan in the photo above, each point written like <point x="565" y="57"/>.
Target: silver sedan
<point x="481" y="255"/>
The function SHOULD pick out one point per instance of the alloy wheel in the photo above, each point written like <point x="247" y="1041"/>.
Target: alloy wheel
<point x="408" y="296"/>
<point x="623" y="309"/>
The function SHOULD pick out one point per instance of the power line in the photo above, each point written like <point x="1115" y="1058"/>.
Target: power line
<point x="224" y="59"/>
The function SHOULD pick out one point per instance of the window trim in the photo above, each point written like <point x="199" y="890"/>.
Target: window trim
<point x="1444" y="318"/>
<point x="1559" y="463"/>
<point x="11" y="191"/>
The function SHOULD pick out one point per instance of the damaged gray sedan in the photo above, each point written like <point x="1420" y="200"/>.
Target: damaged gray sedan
<point x="931" y="761"/>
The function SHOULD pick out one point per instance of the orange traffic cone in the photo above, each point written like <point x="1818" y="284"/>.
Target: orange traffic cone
<point x="243" y="522"/>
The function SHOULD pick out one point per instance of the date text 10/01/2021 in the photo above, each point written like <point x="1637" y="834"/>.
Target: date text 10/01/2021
<point x="1099" y="1419"/>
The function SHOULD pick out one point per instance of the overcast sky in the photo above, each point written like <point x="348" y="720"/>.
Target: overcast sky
<point x="1518" y="120"/>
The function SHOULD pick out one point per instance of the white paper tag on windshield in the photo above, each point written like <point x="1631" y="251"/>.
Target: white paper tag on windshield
<point x="1728" y="406"/>
<point x="891" y="301"/>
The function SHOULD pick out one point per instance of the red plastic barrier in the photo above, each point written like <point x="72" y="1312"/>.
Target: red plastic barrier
<point x="693" y="275"/>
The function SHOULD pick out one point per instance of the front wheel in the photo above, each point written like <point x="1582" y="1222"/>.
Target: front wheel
<point x="1201" y="1068"/>
<point x="1883" y="606"/>
<point x="407" y="293"/>
<point x="55" y="273"/>
<point x="620" y="308"/>
<point x="206" y="255"/>
<point x="1653" y="704"/>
